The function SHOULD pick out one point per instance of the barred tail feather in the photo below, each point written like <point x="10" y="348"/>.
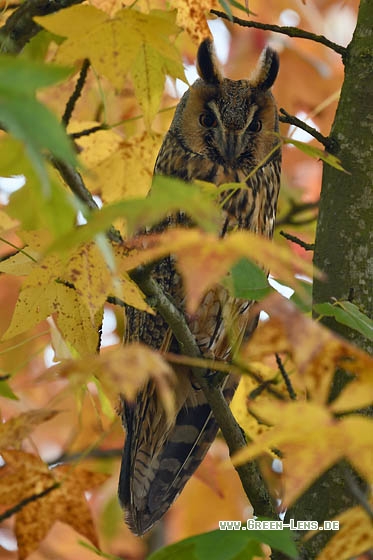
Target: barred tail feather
<point x="150" y="483"/>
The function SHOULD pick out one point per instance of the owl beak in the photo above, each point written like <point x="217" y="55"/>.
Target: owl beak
<point x="232" y="147"/>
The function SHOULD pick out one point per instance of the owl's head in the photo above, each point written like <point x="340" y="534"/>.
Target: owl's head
<point x="228" y="121"/>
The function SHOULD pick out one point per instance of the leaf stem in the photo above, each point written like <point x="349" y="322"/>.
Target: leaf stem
<point x="19" y="250"/>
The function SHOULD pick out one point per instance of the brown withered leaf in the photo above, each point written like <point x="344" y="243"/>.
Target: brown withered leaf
<point x="125" y="370"/>
<point x="311" y="440"/>
<point x="16" y="429"/>
<point x="26" y="475"/>
<point x="315" y="350"/>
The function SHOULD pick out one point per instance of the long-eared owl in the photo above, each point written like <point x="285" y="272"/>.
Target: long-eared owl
<point x="222" y="132"/>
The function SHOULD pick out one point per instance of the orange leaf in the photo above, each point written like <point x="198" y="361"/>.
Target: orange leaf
<point x="29" y="476"/>
<point x="309" y="446"/>
<point x="16" y="429"/>
<point x="315" y="350"/>
<point x="125" y="370"/>
<point x="207" y="473"/>
<point x="208" y="257"/>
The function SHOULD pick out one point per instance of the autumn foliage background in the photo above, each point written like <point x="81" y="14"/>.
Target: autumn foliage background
<point x="64" y="413"/>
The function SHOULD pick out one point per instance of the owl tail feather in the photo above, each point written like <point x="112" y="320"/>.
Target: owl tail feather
<point x="149" y="483"/>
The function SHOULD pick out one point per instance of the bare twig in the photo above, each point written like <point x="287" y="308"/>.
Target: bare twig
<point x="328" y="143"/>
<point x="15" y="509"/>
<point x="286" y="378"/>
<point x="285" y="30"/>
<point x="297" y="241"/>
<point x="88" y="131"/>
<point x="20" y="26"/>
<point x="70" y="105"/>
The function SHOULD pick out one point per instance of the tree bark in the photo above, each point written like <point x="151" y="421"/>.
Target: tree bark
<point x="343" y="247"/>
<point x="344" y="236"/>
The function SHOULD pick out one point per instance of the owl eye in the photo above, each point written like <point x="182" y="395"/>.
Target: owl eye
<point x="255" y="125"/>
<point x="207" y="120"/>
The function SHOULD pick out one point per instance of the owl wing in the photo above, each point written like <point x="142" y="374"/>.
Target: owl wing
<point x="160" y="456"/>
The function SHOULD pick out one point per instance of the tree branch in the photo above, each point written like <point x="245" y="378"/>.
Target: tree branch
<point x="70" y="105"/>
<point x="297" y="241"/>
<point x="20" y="26"/>
<point x="329" y="143"/>
<point x="74" y="181"/>
<point x="285" y="30"/>
<point x="249" y="473"/>
<point x="88" y="131"/>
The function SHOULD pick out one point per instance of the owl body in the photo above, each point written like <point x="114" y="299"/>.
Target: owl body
<point x="222" y="132"/>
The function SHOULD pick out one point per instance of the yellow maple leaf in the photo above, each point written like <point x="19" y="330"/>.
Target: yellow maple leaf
<point x="74" y="290"/>
<point x="6" y="222"/>
<point x="16" y="429"/>
<point x="125" y="370"/>
<point x="208" y="257"/>
<point x="36" y="302"/>
<point x="355" y="536"/>
<point x="239" y="409"/>
<point x="109" y="6"/>
<point x="130" y="42"/>
<point x="315" y="351"/>
<point x="191" y="16"/>
<point x="25" y="477"/>
<point x="96" y="147"/>
<point x="328" y="440"/>
<point x="358" y="394"/>
<point x="119" y="175"/>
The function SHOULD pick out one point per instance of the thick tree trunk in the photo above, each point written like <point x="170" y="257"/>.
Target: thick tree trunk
<point x="344" y="236"/>
<point x="343" y="248"/>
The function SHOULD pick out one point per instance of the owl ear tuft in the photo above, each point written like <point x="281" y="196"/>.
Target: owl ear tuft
<point x="266" y="71"/>
<point x="207" y="66"/>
